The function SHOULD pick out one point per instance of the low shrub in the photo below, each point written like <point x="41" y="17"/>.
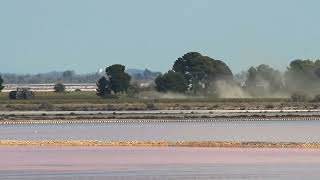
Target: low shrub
<point x="299" y="97"/>
<point x="150" y="106"/>
<point x="59" y="87"/>
<point x="269" y="106"/>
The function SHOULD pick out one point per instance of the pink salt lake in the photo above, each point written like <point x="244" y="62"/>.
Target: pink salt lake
<point x="157" y="163"/>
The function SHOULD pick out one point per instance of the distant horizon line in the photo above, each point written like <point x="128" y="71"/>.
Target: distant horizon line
<point x="76" y="72"/>
<point x="282" y="70"/>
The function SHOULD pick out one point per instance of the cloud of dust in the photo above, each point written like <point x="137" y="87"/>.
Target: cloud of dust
<point x="225" y="89"/>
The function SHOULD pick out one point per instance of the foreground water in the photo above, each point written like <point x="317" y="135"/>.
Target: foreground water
<point x="276" y="131"/>
<point x="115" y="163"/>
<point x="138" y="163"/>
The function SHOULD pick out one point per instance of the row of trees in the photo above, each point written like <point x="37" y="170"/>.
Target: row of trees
<point x="301" y="76"/>
<point x="196" y="74"/>
<point x="192" y="74"/>
<point x="68" y="76"/>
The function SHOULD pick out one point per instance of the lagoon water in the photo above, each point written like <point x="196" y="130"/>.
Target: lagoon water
<point x="138" y="163"/>
<point x="161" y="163"/>
<point x="276" y="131"/>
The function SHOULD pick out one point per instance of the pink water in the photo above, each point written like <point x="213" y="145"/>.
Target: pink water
<point x="157" y="163"/>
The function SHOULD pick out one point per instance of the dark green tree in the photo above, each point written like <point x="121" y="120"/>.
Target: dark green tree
<point x="1" y="82"/>
<point x="118" y="78"/>
<point x="201" y="71"/>
<point x="59" y="87"/>
<point x="103" y="87"/>
<point x="171" y="81"/>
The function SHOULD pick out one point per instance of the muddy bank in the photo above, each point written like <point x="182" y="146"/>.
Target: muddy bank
<point x="69" y="120"/>
<point x="216" y="144"/>
<point x="59" y="104"/>
<point x="153" y="116"/>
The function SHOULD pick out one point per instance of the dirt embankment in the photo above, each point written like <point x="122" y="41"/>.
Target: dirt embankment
<point x="59" y="117"/>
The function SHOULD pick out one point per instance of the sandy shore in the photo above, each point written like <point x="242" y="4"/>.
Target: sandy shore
<point x="153" y="116"/>
<point x="220" y="144"/>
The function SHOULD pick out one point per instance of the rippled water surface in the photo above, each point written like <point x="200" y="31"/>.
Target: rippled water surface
<point x="157" y="163"/>
<point x="116" y="163"/>
<point x="293" y="131"/>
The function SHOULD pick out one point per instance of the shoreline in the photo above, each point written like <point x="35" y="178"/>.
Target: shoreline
<point x="204" y="144"/>
<point x="154" y="116"/>
<point x="192" y="111"/>
<point x="153" y="120"/>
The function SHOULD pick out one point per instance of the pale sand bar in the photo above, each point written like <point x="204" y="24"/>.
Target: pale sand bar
<point x="212" y="144"/>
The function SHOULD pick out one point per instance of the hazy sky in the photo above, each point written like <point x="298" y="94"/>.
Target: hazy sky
<point x="84" y="35"/>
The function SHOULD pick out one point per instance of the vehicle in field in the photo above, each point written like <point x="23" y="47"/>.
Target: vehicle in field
<point x="21" y="93"/>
